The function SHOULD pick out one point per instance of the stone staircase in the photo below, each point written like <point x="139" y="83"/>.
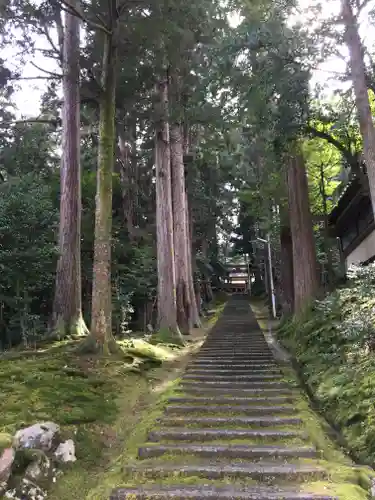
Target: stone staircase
<point x="232" y="431"/>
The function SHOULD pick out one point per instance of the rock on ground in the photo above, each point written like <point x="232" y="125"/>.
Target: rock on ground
<point x="39" y="436"/>
<point x="65" y="452"/>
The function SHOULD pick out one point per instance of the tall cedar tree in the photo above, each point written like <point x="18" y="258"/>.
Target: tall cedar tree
<point x="67" y="307"/>
<point x="358" y="72"/>
<point x="180" y="238"/>
<point x="101" y="338"/>
<point x="167" y="306"/>
<point x="194" y="291"/>
<point x="304" y="252"/>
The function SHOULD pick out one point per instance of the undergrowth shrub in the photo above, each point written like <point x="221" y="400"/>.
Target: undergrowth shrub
<point x="28" y="224"/>
<point x="334" y="344"/>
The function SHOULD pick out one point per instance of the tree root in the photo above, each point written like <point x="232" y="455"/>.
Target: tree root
<point x="62" y="330"/>
<point x="90" y="345"/>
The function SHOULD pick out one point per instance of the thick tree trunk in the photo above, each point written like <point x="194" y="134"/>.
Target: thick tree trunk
<point x="358" y="72"/>
<point x="167" y="307"/>
<point x="304" y="253"/>
<point x="126" y="181"/>
<point x="286" y="268"/>
<point x="67" y="307"/>
<point x="194" y="291"/>
<point x="180" y="229"/>
<point x="101" y="336"/>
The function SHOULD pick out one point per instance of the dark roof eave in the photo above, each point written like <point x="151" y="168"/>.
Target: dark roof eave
<point x="347" y="196"/>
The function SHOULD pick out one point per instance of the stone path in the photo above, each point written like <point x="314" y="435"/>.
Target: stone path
<point x="232" y="431"/>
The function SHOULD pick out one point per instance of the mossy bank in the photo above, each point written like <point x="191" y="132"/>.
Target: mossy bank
<point x="333" y="344"/>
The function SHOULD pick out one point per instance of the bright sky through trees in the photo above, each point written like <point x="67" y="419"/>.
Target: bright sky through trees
<point x="30" y="90"/>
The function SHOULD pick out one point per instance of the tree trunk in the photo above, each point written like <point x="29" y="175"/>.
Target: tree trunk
<point x="194" y="292"/>
<point x="101" y="337"/>
<point x="67" y="307"/>
<point x="304" y="252"/>
<point x="167" y="307"/>
<point x="286" y="268"/>
<point x="208" y="295"/>
<point x="327" y="246"/>
<point x="126" y="183"/>
<point x="180" y="229"/>
<point x="358" y="72"/>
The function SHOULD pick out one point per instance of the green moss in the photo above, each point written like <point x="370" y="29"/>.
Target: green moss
<point x="167" y="336"/>
<point x="346" y="491"/>
<point x="318" y="429"/>
<point x="86" y="396"/>
<point x="6" y="440"/>
<point x="142" y="349"/>
<point x="135" y="438"/>
<point x="53" y="387"/>
<point x="337" y="367"/>
<point x="313" y="339"/>
<point x="218" y="309"/>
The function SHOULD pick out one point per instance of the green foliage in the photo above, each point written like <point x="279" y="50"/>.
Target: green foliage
<point x="334" y="345"/>
<point x="28" y="223"/>
<point x="134" y="280"/>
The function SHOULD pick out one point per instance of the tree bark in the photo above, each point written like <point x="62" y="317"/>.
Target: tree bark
<point x="304" y="253"/>
<point x="101" y="337"/>
<point x="180" y="229"/>
<point x="126" y="182"/>
<point x="208" y="294"/>
<point x="167" y="307"/>
<point x="194" y="292"/>
<point x="67" y="307"/>
<point x="286" y="268"/>
<point x="358" y="71"/>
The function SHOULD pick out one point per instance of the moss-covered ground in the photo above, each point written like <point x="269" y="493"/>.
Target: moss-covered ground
<point x="104" y="404"/>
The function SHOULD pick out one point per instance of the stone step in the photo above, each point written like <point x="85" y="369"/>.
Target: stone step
<point x="221" y="391"/>
<point x="234" y="338"/>
<point x="202" y="365"/>
<point x="256" y="384"/>
<point x="178" y="434"/>
<point x="232" y="400"/>
<point x="245" y="361"/>
<point x="233" y="377"/>
<point x="233" y="346"/>
<point x="233" y="363"/>
<point x="238" y="371"/>
<point x="230" y="359"/>
<point x="220" y="343"/>
<point x="268" y="473"/>
<point x="241" y="354"/>
<point x="256" y="421"/>
<point x="183" y="492"/>
<point x="229" y="451"/>
<point x="216" y="346"/>
<point x="231" y="409"/>
<point x="238" y="352"/>
<point x="242" y="351"/>
<point x="250" y="343"/>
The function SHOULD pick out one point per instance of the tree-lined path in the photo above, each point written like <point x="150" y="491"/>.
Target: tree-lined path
<point x="233" y="430"/>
